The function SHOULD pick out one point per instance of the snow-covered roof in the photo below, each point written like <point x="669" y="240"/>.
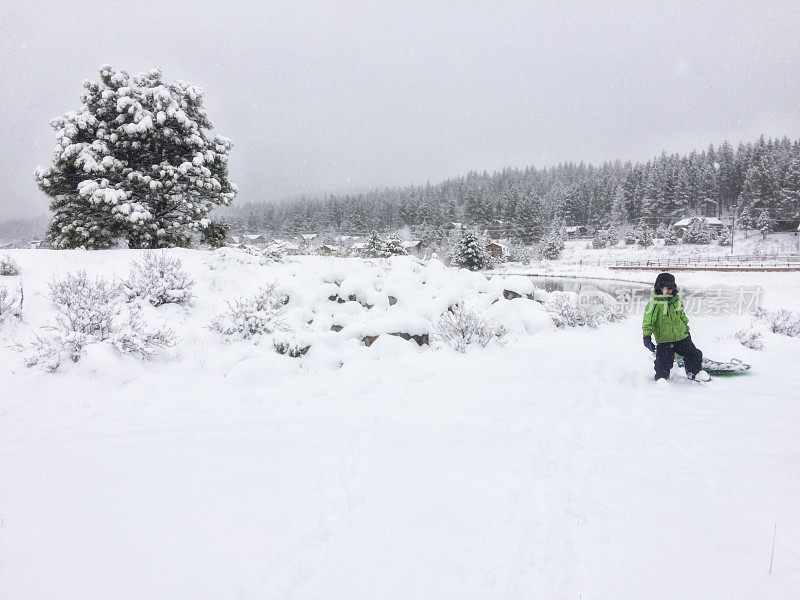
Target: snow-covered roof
<point x="410" y="243"/>
<point x="329" y="247"/>
<point x="308" y="236"/>
<point x="254" y="236"/>
<point x="710" y="220"/>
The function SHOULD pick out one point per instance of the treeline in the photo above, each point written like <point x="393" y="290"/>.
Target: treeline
<point x="761" y="176"/>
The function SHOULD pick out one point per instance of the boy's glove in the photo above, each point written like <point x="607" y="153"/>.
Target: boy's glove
<point x="648" y="343"/>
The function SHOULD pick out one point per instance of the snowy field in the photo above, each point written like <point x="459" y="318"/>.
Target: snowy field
<point x="548" y="467"/>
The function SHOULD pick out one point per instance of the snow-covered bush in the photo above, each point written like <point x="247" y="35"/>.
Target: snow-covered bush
<point x="661" y="231"/>
<point x="159" y="279"/>
<point x="8" y="266"/>
<point x="725" y="238"/>
<point x="780" y="321"/>
<point x="10" y="303"/>
<point x="256" y="315"/>
<point x="750" y="338"/>
<point x="459" y="326"/>
<point x="470" y="251"/>
<point x="91" y="312"/>
<point x="567" y="309"/>
<point x="291" y="343"/>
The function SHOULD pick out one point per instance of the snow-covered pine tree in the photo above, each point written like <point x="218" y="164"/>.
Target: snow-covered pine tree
<point x="670" y="237"/>
<point x="135" y="161"/>
<point x="612" y="236"/>
<point x="376" y="247"/>
<point x="553" y="243"/>
<point x="393" y="247"/>
<point x="599" y="239"/>
<point x="790" y="191"/>
<point x="644" y="235"/>
<point x="470" y="251"/>
<point x="698" y="232"/>
<point x="745" y="222"/>
<point x="765" y="223"/>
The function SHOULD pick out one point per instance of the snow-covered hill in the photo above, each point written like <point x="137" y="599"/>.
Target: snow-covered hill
<point x="550" y="466"/>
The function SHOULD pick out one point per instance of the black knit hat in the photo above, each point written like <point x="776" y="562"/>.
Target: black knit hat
<point x="664" y="279"/>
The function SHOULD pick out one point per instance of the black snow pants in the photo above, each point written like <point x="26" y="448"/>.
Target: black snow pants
<point x="665" y="355"/>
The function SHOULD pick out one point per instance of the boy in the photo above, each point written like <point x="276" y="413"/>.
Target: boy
<point x="664" y="316"/>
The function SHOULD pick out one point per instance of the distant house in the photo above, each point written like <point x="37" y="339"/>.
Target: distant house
<point x="576" y="231"/>
<point x="291" y="248"/>
<point x="40" y="245"/>
<point x="307" y="238"/>
<point x="714" y="223"/>
<point x="414" y="247"/>
<point x="328" y="249"/>
<point x="254" y="239"/>
<point x="496" y="249"/>
<point x="496" y="229"/>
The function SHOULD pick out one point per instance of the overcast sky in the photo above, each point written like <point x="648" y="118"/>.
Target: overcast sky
<point x="347" y="96"/>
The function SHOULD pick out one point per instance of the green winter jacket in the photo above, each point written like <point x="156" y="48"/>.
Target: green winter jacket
<point x="664" y="316"/>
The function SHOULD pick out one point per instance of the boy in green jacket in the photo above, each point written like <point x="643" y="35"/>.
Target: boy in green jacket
<point x="664" y="316"/>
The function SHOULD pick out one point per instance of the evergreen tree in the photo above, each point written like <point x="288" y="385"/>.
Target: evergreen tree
<point x="670" y="238"/>
<point x="765" y="223"/>
<point x="698" y="232"/>
<point x="470" y="251"/>
<point x="644" y="235"/>
<point x="790" y="191"/>
<point x="135" y="162"/>
<point x="745" y="222"/>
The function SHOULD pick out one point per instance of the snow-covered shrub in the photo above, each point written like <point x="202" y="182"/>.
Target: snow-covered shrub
<point x="91" y="312"/>
<point x="661" y="231"/>
<point x="750" y="338"/>
<point x="159" y="279"/>
<point x="567" y="309"/>
<point x="564" y="310"/>
<point x="725" y="238"/>
<point x="255" y="315"/>
<point x="460" y="326"/>
<point x="10" y="303"/>
<point x="291" y="343"/>
<point x="8" y="266"/>
<point x="780" y="321"/>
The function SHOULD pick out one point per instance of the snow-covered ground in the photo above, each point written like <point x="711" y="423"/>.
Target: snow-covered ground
<point x="550" y="467"/>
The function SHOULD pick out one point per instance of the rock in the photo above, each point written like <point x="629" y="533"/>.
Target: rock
<point x="420" y="339"/>
<point x="392" y="300"/>
<point x="369" y="340"/>
<point x="510" y="295"/>
<point x="336" y="328"/>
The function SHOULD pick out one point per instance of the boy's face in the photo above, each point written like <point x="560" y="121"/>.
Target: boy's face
<point x="667" y="290"/>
